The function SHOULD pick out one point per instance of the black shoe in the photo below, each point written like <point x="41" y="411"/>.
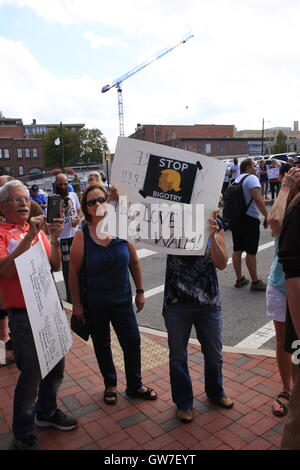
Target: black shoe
<point x="27" y="443"/>
<point x="59" y="421"/>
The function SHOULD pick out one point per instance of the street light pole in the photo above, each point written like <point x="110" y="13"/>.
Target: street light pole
<point x="62" y="148"/>
<point x="262" y="137"/>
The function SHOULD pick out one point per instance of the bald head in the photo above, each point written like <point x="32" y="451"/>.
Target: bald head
<point x="61" y="183"/>
<point x="5" y="178"/>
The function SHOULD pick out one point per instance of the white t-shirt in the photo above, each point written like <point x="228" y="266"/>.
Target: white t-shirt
<point x="250" y="182"/>
<point x="236" y="171"/>
<point x="71" y="209"/>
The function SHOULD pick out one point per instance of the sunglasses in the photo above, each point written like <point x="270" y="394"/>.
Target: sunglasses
<point x="92" y="202"/>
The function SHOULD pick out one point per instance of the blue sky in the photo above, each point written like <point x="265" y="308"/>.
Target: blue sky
<point x="241" y="66"/>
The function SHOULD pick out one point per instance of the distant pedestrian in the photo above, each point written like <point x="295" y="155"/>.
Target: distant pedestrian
<point x="234" y="169"/>
<point x="38" y="197"/>
<point x="273" y="175"/>
<point x="263" y="178"/>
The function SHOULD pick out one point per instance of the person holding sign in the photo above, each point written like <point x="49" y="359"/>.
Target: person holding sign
<point x="101" y="264"/>
<point x="273" y="175"/>
<point x="192" y="298"/>
<point x="16" y="237"/>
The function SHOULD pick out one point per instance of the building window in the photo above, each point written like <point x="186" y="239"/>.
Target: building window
<point x="21" y="170"/>
<point x="27" y="153"/>
<point x="0" y="153"/>
<point x="19" y="153"/>
<point x="207" y="148"/>
<point x="7" y="170"/>
<point x="34" y="153"/>
<point x="6" y="153"/>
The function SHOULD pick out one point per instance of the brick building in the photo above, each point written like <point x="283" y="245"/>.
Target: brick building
<point x="20" y="152"/>
<point x="161" y="134"/>
<point x="216" y="147"/>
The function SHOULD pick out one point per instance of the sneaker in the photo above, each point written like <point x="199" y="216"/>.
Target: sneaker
<point x="258" y="285"/>
<point x="59" y="421"/>
<point x="27" y="443"/>
<point x="185" y="416"/>
<point x="241" y="282"/>
<point x="224" y="402"/>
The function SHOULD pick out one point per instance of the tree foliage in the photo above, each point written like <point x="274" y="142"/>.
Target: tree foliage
<point x="280" y="145"/>
<point x="85" y="146"/>
<point x="71" y="147"/>
<point x="93" y="145"/>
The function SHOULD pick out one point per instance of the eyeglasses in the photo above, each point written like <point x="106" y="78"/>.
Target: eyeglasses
<point x="19" y="199"/>
<point x="92" y="202"/>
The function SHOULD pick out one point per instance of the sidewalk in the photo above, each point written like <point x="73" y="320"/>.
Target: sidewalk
<point x="132" y="424"/>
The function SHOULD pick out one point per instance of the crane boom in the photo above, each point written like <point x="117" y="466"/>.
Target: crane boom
<point x="140" y="67"/>
<point x="118" y="81"/>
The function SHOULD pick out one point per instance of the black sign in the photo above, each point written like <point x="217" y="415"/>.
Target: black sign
<point x="168" y="179"/>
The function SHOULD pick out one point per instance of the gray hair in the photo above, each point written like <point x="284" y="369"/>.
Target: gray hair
<point x="4" y="190"/>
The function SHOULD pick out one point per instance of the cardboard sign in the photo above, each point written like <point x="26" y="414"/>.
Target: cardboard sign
<point x="166" y="194"/>
<point x="48" y="320"/>
<point x="273" y="173"/>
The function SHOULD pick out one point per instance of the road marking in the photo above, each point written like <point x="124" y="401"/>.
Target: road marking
<point x="259" y="337"/>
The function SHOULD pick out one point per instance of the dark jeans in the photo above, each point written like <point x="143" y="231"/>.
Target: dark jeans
<point x="179" y="319"/>
<point x="274" y="188"/>
<point x="30" y="383"/>
<point x="65" y="246"/>
<point x="123" y="320"/>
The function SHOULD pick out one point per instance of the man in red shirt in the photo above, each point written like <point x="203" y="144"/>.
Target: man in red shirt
<point x="16" y="237"/>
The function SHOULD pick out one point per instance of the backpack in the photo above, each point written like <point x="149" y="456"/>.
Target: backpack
<point x="234" y="202"/>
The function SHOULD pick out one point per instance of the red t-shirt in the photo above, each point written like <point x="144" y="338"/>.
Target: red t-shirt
<point x="10" y="236"/>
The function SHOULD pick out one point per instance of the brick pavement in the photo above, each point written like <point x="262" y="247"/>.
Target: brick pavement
<point x="133" y="424"/>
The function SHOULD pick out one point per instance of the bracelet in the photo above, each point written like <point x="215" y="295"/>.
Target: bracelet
<point x="55" y="244"/>
<point x="139" y="291"/>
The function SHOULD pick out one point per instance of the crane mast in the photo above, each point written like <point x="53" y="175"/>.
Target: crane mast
<point x="117" y="83"/>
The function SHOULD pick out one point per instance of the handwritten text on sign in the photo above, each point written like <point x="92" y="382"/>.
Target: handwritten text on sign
<point x="49" y="324"/>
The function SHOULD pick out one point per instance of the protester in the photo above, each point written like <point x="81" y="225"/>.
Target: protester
<point x="274" y="179"/>
<point x="192" y="298"/>
<point x="77" y="186"/>
<point x="245" y="229"/>
<point x="276" y="293"/>
<point x="100" y="265"/>
<point x="16" y="237"/>
<point x="289" y="256"/>
<point x="72" y="215"/>
<point x="38" y="197"/>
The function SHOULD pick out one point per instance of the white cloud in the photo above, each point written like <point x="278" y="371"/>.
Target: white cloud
<point x="242" y="65"/>
<point x="97" y="40"/>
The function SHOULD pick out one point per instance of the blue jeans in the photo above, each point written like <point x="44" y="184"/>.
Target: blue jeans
<point x="30" y="383"/>
<point x="123" y="320"/>
<point x="179" y="319"/>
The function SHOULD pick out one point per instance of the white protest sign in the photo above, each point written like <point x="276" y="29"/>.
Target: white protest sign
<point x="273" y="173"/>
<point x="49" y="324"/>
<point x="166" y="195"/>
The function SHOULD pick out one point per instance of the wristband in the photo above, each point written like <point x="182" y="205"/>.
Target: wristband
<point x="139" y="291"/>
<point x="55" y="244"/>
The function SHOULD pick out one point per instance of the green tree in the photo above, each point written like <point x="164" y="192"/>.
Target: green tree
<point x="280" y="145"/>
<point x="93" y="145"/>
<point x="71" y="147"/>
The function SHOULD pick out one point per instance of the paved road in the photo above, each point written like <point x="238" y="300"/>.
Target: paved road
<point x="243" y="310"/>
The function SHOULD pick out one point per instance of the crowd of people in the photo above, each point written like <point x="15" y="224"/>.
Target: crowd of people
<point x="96" y="270"/>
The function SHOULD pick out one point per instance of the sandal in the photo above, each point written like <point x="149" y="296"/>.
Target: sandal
<point x="146" y="395"/>
<point x="110" y="398"/>
<point x="283" y="406"/>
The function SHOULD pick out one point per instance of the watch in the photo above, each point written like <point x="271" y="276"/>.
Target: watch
<point x="55" y="244"/>
<point x="139" y="291"/>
